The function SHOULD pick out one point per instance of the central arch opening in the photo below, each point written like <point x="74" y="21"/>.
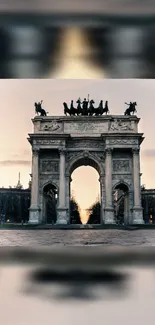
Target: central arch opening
<point x="85" y="191"/>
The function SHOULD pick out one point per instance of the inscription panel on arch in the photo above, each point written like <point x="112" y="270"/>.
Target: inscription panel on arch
<point x="51" y="142"/>
<point x="85" y="127"/>
<point x="72" y="144"/>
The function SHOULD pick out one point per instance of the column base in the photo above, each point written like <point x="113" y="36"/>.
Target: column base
<point x="62" y="217"/>
<point x="34" y="215"/>
<point x="137" y="213"/>
<point x="109" y="216"/>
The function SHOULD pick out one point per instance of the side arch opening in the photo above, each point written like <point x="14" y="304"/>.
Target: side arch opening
<point x="121" y="203"/>
<point x="50" y="198"/>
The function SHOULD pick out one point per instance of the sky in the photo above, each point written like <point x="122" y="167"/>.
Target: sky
<point x="17" y="109"/>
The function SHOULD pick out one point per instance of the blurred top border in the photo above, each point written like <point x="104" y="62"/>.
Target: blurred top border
<point x="115" y="7"/>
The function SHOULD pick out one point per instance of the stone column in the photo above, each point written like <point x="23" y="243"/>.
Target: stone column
<point x="34" y="211"/>
<point x="137" y="209"/>
<point x="130" y="207"/>
<point x="62" y="209"/>
<point x="102" y="191"/>
<point x="68" y="181"/>
<point x="109" y="210"/>
<point x="126" y="210"/>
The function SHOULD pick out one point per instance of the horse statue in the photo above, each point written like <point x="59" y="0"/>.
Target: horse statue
<point x="39" y="109"/>
<point x="71" y="110"/>
<point x="100" y="110"/>
<point x="131" y="108"/>
<point x="67" y="110"/>
<point x="106" y="108"/>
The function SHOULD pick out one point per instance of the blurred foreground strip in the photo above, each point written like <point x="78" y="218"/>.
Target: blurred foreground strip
<point x="94" y="258"/>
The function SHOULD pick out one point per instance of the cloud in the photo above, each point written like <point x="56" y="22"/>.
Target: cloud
<point x="24" y="153"/>
<point x="6" y="163"/>
<point x="149" y="153"/>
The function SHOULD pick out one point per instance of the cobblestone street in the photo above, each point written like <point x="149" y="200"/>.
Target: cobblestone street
<point x="77" y="237"/>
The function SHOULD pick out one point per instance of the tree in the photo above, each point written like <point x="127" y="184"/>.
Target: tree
<point x="74" y="212"/>
<point x="94" y="213"/>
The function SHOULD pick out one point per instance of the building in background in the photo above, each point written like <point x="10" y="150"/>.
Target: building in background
<point x="148" y="204"/>
<point x="15" y="203"/>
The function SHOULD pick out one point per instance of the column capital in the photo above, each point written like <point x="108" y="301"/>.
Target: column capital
<point x="62" y="150"/>
<point x="108" y="151"/>
<point x="135" y="151"/>
<point x="35" y="151"/>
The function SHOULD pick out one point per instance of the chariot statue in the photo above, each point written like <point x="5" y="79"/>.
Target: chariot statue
<point x="86" y="108"/>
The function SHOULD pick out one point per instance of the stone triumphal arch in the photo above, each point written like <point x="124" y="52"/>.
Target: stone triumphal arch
<point x="110" y="144"/>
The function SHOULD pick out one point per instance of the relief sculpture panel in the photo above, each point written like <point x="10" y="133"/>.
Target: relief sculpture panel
<point x="118" y="125"/>
<point x="49" y="166"/>
<point x="121" y="165"/>
<point x="54" y="126"/>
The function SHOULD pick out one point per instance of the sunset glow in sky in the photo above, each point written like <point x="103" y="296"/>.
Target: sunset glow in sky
<point x="72" y="61"/>
<point x="17" y="109"/>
